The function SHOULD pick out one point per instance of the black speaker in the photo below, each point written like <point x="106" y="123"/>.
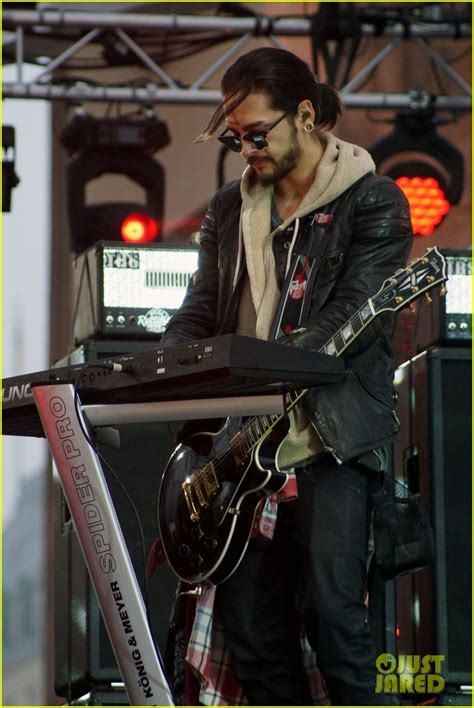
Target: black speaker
<point x="84" y="659"/>
<point x="434" y="459"/>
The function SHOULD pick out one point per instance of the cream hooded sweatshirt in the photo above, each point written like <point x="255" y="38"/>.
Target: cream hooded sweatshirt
<point x="342" y="164"/>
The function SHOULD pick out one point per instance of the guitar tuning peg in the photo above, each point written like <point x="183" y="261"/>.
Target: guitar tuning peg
<point x="412" y="309"/>
<point x="427" y="299"/>
<point x="442" y="291"/>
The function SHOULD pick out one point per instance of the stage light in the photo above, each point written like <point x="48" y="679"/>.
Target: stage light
<point x="427" y="167"/>
<point x="428" y="204"/>
<point x="120" y="147"/>
<point x="10" y="179"/>
<point x="139" y="227"/>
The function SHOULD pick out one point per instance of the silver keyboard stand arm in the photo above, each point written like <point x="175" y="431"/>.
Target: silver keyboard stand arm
<point x="98" y="529"/>
<point x="103" y="546"/>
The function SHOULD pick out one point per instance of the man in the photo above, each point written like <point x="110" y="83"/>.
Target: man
<point x="291" y="252"/>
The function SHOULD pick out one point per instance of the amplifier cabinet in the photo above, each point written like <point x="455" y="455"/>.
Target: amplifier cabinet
<point x="448" y="320"/>
<point x="433" y="457"/>
<point x="129" y="291"/>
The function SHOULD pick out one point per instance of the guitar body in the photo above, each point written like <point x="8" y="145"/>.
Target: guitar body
<point x="213" y="484"/>
<point x="206" y="529"/>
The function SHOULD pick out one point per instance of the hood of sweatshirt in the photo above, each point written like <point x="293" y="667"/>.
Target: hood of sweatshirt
<point x="341" y="165"/>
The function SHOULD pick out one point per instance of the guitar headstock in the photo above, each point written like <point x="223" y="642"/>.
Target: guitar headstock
<point x="407" y="284"/>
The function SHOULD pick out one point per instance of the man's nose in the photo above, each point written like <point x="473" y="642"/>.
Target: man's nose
<point x="247" y="149"/>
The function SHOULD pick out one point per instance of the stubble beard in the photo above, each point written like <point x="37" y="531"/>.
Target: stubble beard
<point x="283" y="167"/>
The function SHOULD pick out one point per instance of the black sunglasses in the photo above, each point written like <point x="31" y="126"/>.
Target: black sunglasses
<point x="234" y="142"/>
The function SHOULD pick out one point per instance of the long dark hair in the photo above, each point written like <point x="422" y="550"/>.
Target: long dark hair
<point x="284" y="78"/>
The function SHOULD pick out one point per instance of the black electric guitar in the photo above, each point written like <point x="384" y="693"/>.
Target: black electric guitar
<point x="213" y="484"/>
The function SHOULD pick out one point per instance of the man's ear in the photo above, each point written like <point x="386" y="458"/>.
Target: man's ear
<point x="306" y="111"/>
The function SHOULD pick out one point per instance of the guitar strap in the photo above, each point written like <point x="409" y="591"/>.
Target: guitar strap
<point x="306" y="259"/>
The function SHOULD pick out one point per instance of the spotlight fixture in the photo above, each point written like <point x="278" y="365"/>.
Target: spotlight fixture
<point x="10" y="179"/>
<point x="427" y="167"/>
<point x="426" y="196"/>
<point x="114" y="146"/>
<point x="139" y="227"/>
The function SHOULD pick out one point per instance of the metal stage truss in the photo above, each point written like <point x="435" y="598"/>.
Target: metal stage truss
<point x="88" y="27"/>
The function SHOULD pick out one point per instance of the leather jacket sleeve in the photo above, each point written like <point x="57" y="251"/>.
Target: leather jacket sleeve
<point x="380" y="243"/>
<point x="196" y="318"/>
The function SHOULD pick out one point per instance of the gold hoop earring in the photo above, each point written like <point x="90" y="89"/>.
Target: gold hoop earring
<point x="308" y="127"/>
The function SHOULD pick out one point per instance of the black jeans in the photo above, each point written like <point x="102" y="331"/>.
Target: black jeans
<point x="318" y="554"/>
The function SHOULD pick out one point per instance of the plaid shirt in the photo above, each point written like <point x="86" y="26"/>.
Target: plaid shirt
<point x="207" y="654"/>
<point x="213" y="665"/>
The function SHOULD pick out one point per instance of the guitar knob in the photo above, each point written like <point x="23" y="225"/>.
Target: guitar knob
<point x="184" y="550"/>
<point x="197" y="533"/>
<point x="196" y="559"/>
<point x="210" y="543"/>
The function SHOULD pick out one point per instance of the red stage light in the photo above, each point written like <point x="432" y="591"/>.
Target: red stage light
<point x="139" y="228"/>
<point x="428" y="204"/>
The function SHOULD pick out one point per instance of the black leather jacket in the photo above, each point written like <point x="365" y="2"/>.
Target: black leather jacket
<point x="368" y="239"/>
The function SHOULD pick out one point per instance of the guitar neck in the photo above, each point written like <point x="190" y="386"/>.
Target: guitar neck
<point x="344" y="336"/>
<point x="258" y="427"/>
